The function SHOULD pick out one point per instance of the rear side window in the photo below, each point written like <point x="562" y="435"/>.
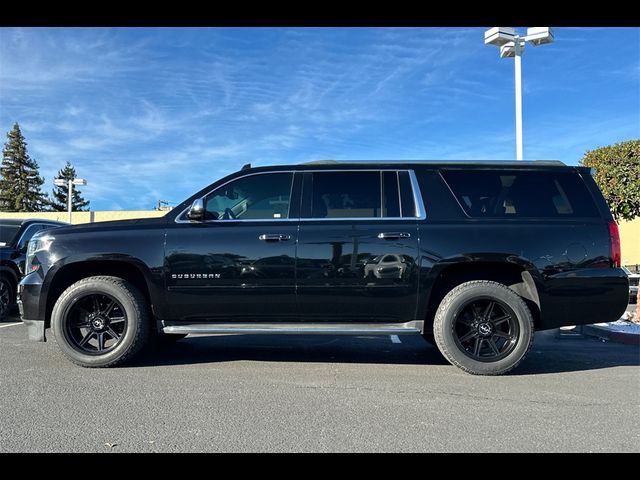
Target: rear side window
<point x="521" y="194"/>
<point x="346" y="195"/>
<point x="358" y="194"/>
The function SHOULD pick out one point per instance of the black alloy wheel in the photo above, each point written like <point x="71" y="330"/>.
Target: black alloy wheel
<point x="96" y="324"/>
<point x="483" y="327"/>
<point x="486" y="329"/>
<point x="101" y="321"/>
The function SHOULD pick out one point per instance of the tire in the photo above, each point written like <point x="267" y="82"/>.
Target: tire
<point x="479" y="338"/>
<point x="101" y="321"/>
<point x="7" y="296"/>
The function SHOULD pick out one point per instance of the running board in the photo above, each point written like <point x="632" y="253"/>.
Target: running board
<point x="413" y="327"/>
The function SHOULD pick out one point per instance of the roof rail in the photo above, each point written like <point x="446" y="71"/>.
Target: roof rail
<point x="557" y="163"/>
<point x="321" y="162"/>
<point x="551" y="162"/>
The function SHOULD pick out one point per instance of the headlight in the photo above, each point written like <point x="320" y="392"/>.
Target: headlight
<point x="36" y="244"/>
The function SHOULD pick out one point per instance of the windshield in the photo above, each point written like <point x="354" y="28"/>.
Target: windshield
<point x="8" y="234"/>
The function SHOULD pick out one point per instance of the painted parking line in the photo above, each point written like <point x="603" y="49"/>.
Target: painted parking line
<point x="395" y="339"/>
<point x="10" y="325"/>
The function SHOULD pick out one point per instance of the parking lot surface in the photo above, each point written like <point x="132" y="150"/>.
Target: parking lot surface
<point x="315" y="393"/>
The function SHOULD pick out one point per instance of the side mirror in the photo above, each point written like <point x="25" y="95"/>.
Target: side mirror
<point x="196" y="211"/>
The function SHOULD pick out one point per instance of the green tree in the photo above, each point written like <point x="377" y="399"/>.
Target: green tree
<point x="20" y="181"/>
<point x="60" y="195"/>
<point x="617" y="173"/>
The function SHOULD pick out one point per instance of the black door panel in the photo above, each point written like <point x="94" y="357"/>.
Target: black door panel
<point x="346" y="272"/>
<point x="224" y="271"/>
<point x="240" y="263"/>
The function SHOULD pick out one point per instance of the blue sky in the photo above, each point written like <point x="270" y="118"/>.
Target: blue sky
<point x="157" y="113"/>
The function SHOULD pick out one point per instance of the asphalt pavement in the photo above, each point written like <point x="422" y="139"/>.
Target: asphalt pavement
<point x="317" y="393"/>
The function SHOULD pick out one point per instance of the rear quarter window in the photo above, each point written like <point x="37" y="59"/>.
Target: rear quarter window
<point x="521" y="193"/>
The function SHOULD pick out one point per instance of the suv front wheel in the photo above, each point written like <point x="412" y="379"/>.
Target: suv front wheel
<point x="101" y="321"/>
<point x="483" y="327"/>
<point x="7" y="296"/>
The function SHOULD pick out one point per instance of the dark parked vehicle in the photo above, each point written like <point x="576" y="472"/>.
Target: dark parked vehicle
<point x="479" y="254"/>
<point x="14" y="237"/>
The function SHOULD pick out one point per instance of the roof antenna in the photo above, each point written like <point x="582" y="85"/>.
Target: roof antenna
<point x="246" y="166"/>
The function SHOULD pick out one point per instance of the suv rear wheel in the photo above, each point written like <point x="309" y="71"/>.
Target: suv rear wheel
<point x="101" y="321"/>
<point x="483" y="327"/>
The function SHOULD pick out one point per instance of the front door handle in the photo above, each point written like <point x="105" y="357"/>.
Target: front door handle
<point x="393" y="235"/>
<point x="274" y="237"/>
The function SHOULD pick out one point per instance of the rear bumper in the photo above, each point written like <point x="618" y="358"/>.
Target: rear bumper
<point x="584" y="296"/>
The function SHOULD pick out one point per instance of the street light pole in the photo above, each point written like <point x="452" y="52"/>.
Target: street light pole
<point x="512" y="45"/>
<point x="70" y="192"/>
<point x="518" y="74"/>
<point x="61" y="182"/>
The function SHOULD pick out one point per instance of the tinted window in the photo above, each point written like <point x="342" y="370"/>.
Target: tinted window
<point x="8" y="233"/>
<point x="256" y="197"/>
<point x="518" y="193"/>
<point x="407" y="202"/>
<point x="390" y="197"/>
<point x="346" y="195"/>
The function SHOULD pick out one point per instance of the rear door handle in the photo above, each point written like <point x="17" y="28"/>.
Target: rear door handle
<point x="393" y="235"/>
<point x="274" y="237"/>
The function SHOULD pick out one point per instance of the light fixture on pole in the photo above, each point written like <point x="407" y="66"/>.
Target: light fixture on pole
<point x="61" y="182"/>
<point x="512" y="45"/>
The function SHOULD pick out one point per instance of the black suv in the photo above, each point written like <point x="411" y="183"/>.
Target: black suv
<point x="479" y="256"/>
<point x="14" y="237"/>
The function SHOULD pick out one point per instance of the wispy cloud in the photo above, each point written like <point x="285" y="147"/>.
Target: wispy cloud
<point x="148" y="114"/>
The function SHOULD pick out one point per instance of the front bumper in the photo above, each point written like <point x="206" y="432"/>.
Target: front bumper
<point x="31" y="307"/>
<point x="35" y="330"/>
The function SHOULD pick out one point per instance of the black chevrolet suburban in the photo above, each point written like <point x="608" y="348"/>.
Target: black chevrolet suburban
<point x="473" y="256"/>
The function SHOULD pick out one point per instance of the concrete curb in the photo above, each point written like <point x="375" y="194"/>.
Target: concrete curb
<point x="606" y="334"/>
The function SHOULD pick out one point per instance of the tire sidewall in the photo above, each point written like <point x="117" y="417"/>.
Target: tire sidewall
<point x="444" y="328"/>
<point x="69" y="298"/>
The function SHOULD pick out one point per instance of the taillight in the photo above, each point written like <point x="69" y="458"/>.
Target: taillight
<point x="614" y="237"/>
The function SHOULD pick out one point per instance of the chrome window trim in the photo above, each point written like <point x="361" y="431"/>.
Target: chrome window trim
<point x="417" y="198"/>
<point x="399" y="196"/>
<point x="382" y="195"/>
<point x="421" y="212"/>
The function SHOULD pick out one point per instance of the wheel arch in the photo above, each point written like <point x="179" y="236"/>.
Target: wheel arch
<point x="514" y="272"/>
<point x="11" y="271"/>
<point x="71" y="272"/>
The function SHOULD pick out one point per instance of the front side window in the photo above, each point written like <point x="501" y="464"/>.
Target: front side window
<point x="256" y="197"/>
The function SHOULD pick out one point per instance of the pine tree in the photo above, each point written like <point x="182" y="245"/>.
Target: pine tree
<point x="19" y="180"/>
<point x="60" y="194"/>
